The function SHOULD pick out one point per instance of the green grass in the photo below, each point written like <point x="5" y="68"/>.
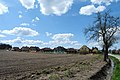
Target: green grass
<point x="54" y="77"/>
<point x="116" y="72"/>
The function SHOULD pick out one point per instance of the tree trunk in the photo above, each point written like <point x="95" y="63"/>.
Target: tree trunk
<point x="106" y="54"/>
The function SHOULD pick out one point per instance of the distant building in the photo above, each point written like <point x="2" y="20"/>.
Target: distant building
<point x="94" y="50"/>
<point x="46" y="50"/>
<point x="84" y="50"/>
<point x="34" y="49"/>
<point x="25" y="49"/>
<point x="116" y="51"/>
<point x="59" y="49"/>
<point x="71" y="51"/>
<point x="15" y="49"/>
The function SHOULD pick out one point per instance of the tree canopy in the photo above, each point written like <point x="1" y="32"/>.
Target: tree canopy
<point x="104" y="30"/>
<point x="5" y="46"/>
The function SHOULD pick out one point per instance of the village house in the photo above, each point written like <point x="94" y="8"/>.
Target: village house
<point x="71" y="51"/>
<point x="94" y="50"/>
<point x="59" y="49"/>
<point x="84" y="50"/>
<point x="113" y="51"/>
<point x="15" y="49"/>
<point x="25" y="49"/>
<point x="34" y="49"/>
<point x="46" y="50"/>
<point x="116" y="51"/>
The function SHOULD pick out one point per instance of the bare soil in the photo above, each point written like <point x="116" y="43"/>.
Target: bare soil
<point x="39" y="66"/>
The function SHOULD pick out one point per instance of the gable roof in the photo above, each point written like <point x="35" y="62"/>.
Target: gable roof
<point x="84" y="46"/>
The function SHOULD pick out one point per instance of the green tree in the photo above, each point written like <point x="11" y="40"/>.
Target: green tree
<point x="5" y="46"/>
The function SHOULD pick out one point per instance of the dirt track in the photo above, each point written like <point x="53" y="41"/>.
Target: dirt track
<point x="18" y="62"/>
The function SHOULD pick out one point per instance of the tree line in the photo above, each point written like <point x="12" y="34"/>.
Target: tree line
<point x="5" y="46"/>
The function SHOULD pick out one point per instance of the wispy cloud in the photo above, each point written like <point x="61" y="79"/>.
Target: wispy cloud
<point x="94" y="44"/>
<point x="3" y="9"/>
<point x="24" y="24"/>
<point x="99" y="2"/>
<point x="35" y="19"/>
<point x="65" y="36"/>
<point x="2" y="36"/>
<point x="20" y="40"/>
<point x="63" y="39"/>
<point x="48" y="34"/>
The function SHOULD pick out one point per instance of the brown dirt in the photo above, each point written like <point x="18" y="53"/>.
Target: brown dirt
<point x="39" y="66"/>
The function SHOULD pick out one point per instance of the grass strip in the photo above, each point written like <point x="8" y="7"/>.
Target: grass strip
<point x="116" y="72"/>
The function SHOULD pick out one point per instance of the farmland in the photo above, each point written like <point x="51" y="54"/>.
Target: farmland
<point x="33" y="66"/>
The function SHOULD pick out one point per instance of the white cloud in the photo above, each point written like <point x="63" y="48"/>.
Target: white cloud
<point x="90" y="9"/>
<point x="32" y="42"/>
<point x="75" y="14"/>
<point x="99" y="2"/>
<point x="24" y="24"/>
<point x="118" y="32"/>
<point x="28" y="4"/>
<point x="63" y="40"/>
<point x="20" y="40"/>
<point x="57" y="7"/>
<point x="36" y="6"/>
<point x="65" y="36"/>
<point x="100" y="8"/>
<point x="21" y="31"/>
<point x="35" y="19"/>
<point x="48" y="34"/>
<point x="2" y="36"/>
<point x="62" y="43"/>
<point x="3" y="9"/>
<point x="34" y="25"/>
<point x="95" y="44"/>
<point x="17" y="40"/>
<point x="20" y="16"/>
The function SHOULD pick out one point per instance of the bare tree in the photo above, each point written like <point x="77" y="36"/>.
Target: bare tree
<point x="104" y="30"/>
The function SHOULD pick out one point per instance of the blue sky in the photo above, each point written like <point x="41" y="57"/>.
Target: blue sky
<point x="51" y="23"/>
